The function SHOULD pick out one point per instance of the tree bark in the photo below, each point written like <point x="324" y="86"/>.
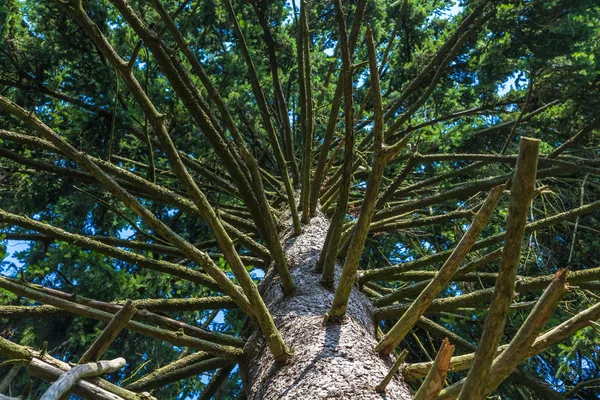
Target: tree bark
<point x="330" y="360"/>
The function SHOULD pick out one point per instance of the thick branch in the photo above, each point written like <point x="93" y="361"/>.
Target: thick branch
<point x="109" y="334"/>
<point x="50" y="369"/>
<point x="183" y="368"/>
<point x="521" y="195"/>
<point x="68" y="379"/>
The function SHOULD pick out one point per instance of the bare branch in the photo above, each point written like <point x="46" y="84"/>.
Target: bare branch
<point x="434" y="382"/>
<point x="361" y="229"/>
<point x="68" y="379"/>
<point x="397" y="364"/>
<point x="521" y="195"/>
<point x="183" y="368"/>
<point x="109" y="334"/>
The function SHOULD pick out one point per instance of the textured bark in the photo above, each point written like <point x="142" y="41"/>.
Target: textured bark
<point x="330" y="360"/>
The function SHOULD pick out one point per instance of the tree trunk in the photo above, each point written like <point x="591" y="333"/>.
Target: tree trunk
<point x="330" y="360"/>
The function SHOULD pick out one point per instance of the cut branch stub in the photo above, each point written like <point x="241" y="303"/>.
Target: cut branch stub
<point x="434" y="382"/>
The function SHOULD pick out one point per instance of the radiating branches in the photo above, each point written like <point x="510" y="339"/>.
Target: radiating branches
<point x="112" y="251"/>
<point x="261" y="8"/>
<point x="266" y="118"/>
<point x="328" y="255"/>
<point x="521" y="195"/>
<point x="443" y="276"/>
<point x="380" y="158"/>
<point x="214" y="197"/>
<point x="541" y="343"/>
<point x="194" y="102"/>
<point x="437" y="67"/>
<point x="319" y="172"/>
<point x="261" y="213"/>
<point x="389" y="273"/>
<point x="189" y="95"/>
<point x="145" y="311"/>
<point x="130" y="201"/>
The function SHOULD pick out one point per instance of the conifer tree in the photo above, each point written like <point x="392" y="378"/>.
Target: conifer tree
<point x="299" y="200"/>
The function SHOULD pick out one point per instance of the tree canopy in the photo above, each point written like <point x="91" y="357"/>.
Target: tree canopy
<point x="160" y="151"/>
